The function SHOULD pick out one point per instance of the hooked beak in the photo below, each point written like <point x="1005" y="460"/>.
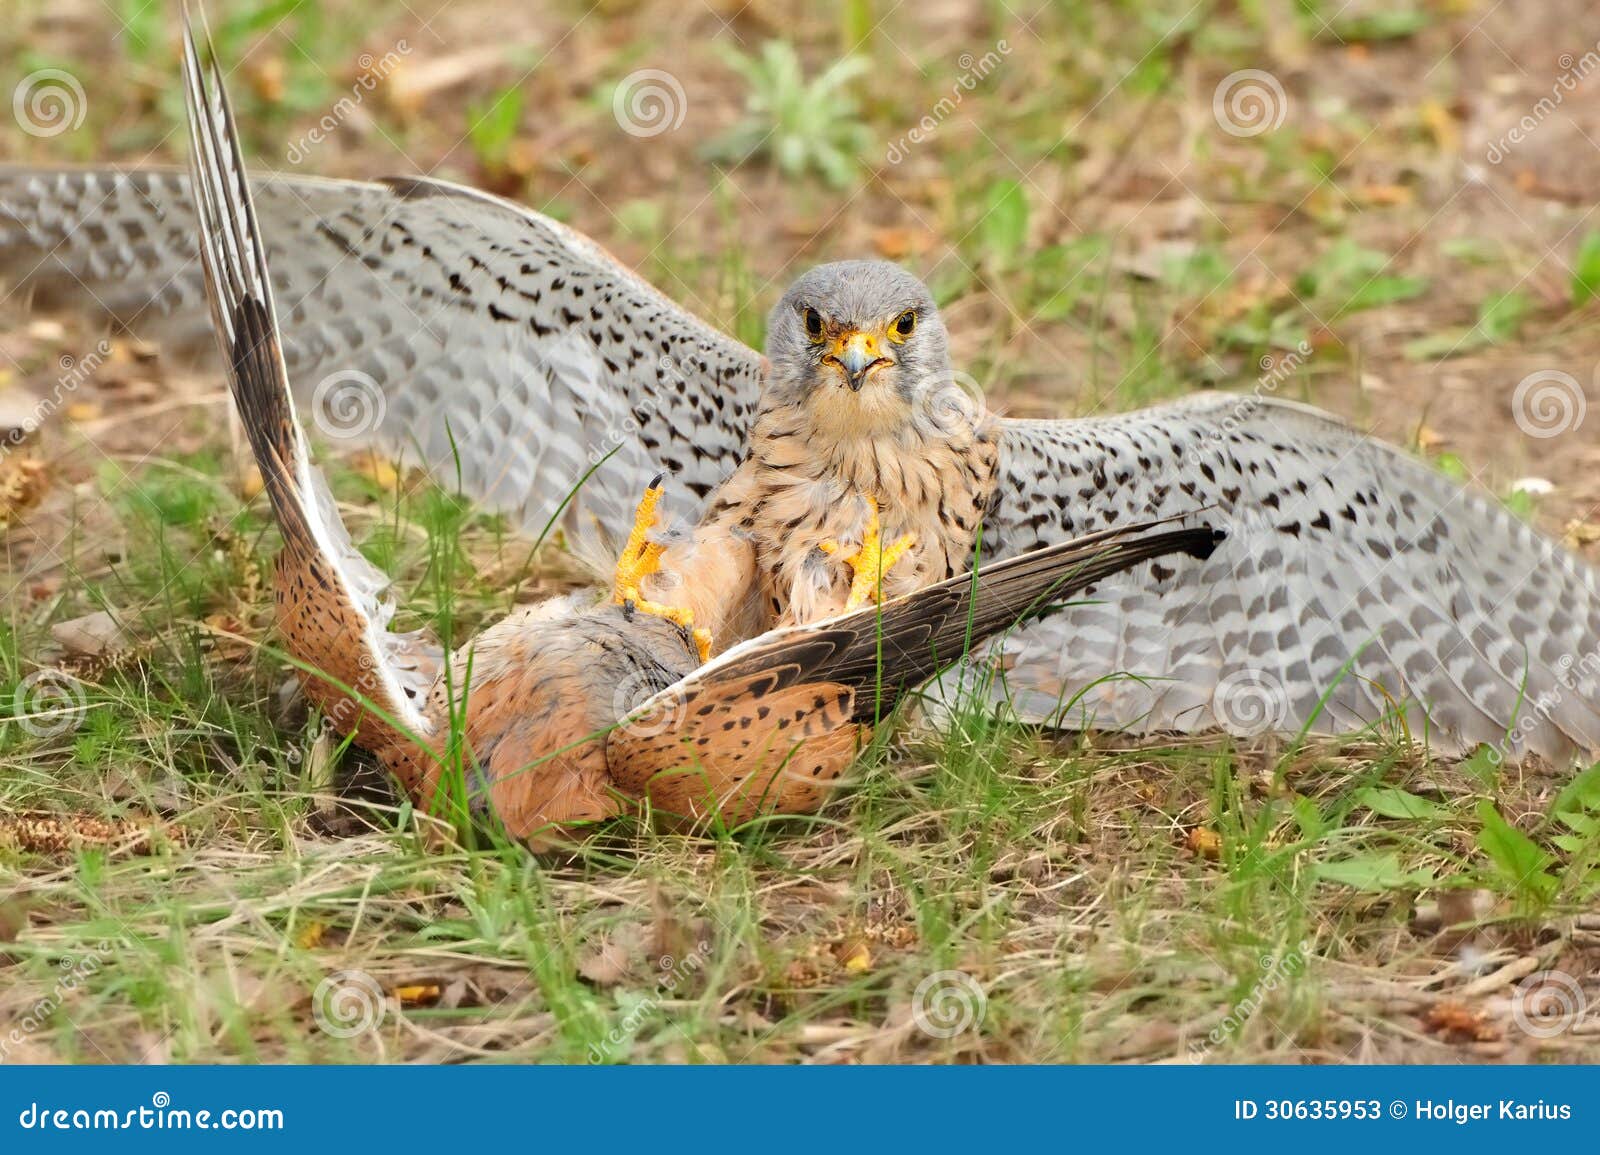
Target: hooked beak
<point x="857" y="353"/>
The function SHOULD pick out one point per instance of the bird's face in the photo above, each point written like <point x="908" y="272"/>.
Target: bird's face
<point x="856" y="339"/>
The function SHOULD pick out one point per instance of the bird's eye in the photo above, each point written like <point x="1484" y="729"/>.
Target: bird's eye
<point x="903" y="324"/>
<point x="813" y="324"/>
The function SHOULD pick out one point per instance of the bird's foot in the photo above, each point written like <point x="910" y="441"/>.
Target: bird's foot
<point x="871" y="561"/>
<point x="640" y="558"/>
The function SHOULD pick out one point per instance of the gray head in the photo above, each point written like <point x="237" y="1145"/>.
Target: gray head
<point x="856" y="335"/>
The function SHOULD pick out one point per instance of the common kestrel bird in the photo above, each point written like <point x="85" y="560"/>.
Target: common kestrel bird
<point x="573" y="711"/>
<point x="509" y="351"/>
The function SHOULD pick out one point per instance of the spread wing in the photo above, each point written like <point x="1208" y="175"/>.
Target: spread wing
<point x="1349" y="570"/>
<point x="425" y="318"/>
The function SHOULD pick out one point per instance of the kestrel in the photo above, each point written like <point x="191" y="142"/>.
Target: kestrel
<point x="571" y="712"/>
<point x="860" y="430"/>
<point x="1354" y="581"/>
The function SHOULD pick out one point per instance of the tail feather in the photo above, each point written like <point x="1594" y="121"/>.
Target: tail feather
<point x="331" y="609"/>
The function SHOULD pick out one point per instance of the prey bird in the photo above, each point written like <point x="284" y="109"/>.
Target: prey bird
<point x="515" y="356"/>
<point x="573" y="711"/>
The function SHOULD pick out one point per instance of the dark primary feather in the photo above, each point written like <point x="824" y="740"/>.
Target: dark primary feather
<point x="322" y="579"/>
<point x="880" y="654"/>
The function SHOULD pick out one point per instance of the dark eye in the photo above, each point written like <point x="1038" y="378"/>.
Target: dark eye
<point x="904" y="323"/>
<point x="813" y="324"/>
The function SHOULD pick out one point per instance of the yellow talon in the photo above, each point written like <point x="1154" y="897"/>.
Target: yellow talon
<point x="870" y="562"/>
<point x="639" y="559"/>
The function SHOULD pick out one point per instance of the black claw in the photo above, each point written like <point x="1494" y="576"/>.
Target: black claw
<point x="627" y="610"/>
<point x="656" y="484"/>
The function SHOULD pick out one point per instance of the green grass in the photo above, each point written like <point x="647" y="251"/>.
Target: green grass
<point x="1096" y="244"/>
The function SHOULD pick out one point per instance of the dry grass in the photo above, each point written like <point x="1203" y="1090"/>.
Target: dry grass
<point x="1192" y="901"/>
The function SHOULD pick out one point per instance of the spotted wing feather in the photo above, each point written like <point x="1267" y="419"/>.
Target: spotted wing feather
<point x="511" y="353"/>
<point x="1353" y="579"/>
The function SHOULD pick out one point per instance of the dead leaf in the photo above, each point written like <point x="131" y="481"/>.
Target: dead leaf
<point x="228" y="635"/>
<point x="79" y="412"/>
<point x="896" y="243"/>
<point x="23" y="481"/>
<point x="310" y="935"/>
<point x="13" y="918"/>
<point x="853" y="955"/>
<point x="1458" y="1023"/>
<point x="91" y="635"/>
<point x="605" y="965"/>
<point x="1429" y="439"/>
<point x="1384" y="195"/>
<point x="266" y="78"/>
<point x="420" y="994"/>
<point x="1578" y="534"/>
<point x="376" y="468"/>
<point x="21" y="414"/>
<point x="1204" y="843"/>
<point x="1441" y="125"/>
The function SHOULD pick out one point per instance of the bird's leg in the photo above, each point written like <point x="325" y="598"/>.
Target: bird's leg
<point x="871" y="561"/>
<point x="639" y="559"/>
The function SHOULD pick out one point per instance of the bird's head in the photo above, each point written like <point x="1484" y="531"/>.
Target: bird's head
<point x="857" y="340"/>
